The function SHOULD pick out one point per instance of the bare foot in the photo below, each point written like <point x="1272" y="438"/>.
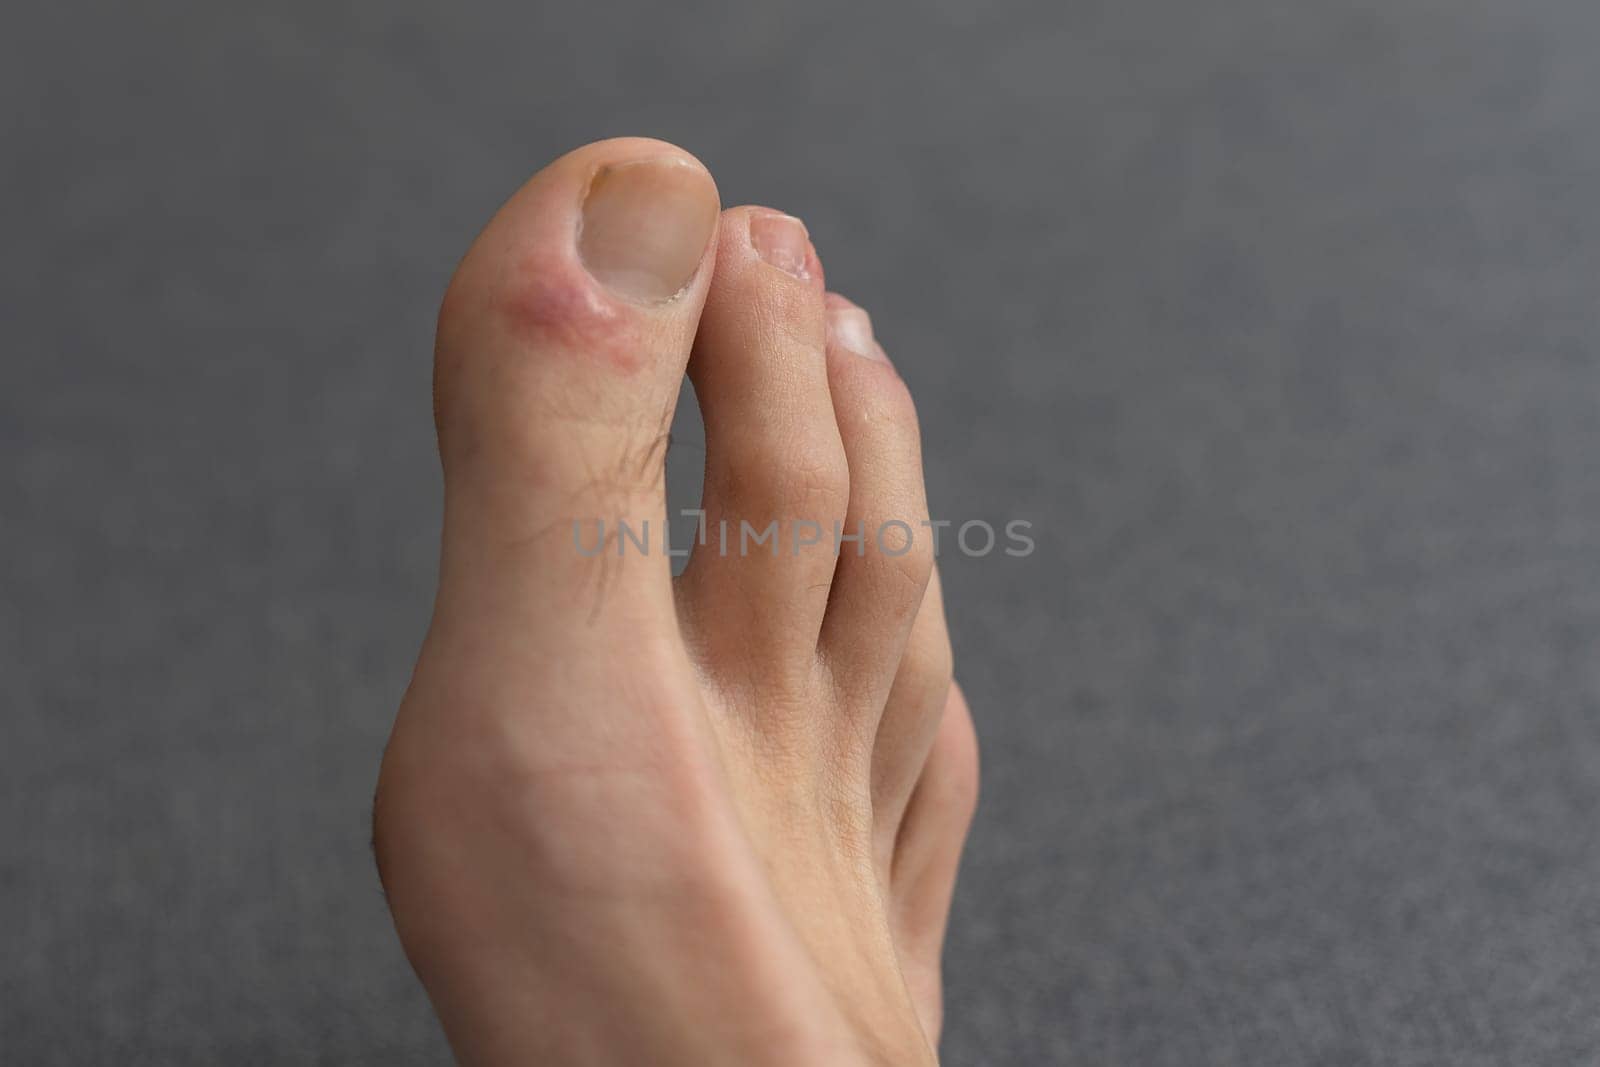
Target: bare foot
<point x="626" y="818"/>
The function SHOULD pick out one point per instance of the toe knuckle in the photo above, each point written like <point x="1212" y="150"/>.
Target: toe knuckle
<point x="953" y="773"/>
<point x="900" y="565"/>
<point x="802" y="478"/>
<point x="908" y="554"/>
<point x="929" y="667"/>
<point x="900" y="408"/>
<point x="884" y="402"/>
<point x="822" y="478"/>
<point x="962" y="774"/>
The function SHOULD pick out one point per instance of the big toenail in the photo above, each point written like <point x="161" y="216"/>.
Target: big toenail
<point x="646" y="226"/>
<point x="782" y="241"/>
<point x="852" y="328"/>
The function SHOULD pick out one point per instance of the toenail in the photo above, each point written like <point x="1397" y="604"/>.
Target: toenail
<point x="852" y="328"/>
<point x="646" y="225"/>
<point x="782" y="241"/>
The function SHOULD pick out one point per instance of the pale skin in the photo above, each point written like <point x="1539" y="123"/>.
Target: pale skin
<point x="629" y="818"/>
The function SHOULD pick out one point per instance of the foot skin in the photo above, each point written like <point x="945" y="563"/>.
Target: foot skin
<point x="625" y="818"/>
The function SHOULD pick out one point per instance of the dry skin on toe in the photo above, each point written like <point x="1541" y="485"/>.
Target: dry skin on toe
<point x="712" y="819"/>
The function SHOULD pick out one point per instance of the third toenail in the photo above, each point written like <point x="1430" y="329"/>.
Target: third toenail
<point x="646" y="225"/>
<point x="852" y="328"/>
<point x="782" y="241"/>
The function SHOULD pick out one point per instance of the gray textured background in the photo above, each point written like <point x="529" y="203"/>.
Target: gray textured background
<point x="1280" y="321"/>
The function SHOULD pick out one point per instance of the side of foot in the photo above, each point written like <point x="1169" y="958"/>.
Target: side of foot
<point x="629" y="818"/>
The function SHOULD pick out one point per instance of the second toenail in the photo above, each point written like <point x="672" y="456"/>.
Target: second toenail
<point x="782" y="241"/>
<point x="646" y="225"/>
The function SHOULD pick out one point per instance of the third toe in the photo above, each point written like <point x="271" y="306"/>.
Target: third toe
<point x="882" y="574"/>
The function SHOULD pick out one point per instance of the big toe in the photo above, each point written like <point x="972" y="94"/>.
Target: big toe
<point x="561" y="347"/>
